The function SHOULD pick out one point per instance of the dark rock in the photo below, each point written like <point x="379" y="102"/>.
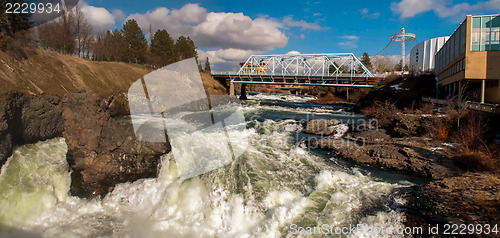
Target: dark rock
<point x="409" y="154"/>
<point x="473" y="198"/>
<point x="28" y="119"/>
<point x="41" y="118"/>
<point x="117" y="105"/>
<point x="5" y="136"/>
<point x="322" y="126"/>
<point x="371" y="135"/>
<point x="102" y="150"/>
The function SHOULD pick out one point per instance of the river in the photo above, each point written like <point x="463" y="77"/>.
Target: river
<point x="277" y="188"/>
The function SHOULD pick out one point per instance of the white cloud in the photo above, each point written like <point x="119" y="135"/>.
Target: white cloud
<point x="350" y="37"/>
<point x="302" y="36"/>
<point x="443" y="9"/>
<point x="232" y="36"/>
<point x="215" y="29"/>
<point x="100" y="18"/>
<point x="290" y="22"/>
<point x="366" y="14"/>
<point x="118" y="14"/>
<point x="350" y="42"/>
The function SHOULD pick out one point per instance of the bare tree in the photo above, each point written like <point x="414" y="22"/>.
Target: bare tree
<point x="83" y="33"/>
<point x="59" y="35"/>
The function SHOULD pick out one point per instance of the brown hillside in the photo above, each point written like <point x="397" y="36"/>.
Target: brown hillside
<point x="51" y="73"/>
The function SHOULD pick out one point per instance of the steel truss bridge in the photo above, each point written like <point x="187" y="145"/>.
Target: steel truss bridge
<point x="329" y="69"/>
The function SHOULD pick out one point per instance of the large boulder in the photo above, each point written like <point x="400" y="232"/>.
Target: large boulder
<point x="104" y="151"/>
<point x="28" y="119"/>
<point x="322" y="127"/>
<point x="5" y="136"/>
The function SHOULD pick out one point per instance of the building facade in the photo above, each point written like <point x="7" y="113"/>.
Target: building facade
<point x="422" y="56"/>
<point x="468" y="64"/>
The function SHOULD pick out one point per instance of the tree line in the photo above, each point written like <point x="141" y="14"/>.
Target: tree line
<point x="71" y="33"/>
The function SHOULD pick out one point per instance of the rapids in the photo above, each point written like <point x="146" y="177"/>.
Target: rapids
<point x="277" y="188"/>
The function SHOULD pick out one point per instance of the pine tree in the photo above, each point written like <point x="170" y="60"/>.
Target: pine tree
<point x="365" y="59"/>
<point x="12" y="24"/>
<point x="163" y="48"/>
<point x="185" y="48"/>
<point x="398" y="66"/>
<point x="207" y="66"/>
<point x="135" y="40"/>
<point x="199" y="67"/>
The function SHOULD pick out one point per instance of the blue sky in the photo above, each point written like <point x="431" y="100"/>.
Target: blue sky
<point x="283" y="26"/>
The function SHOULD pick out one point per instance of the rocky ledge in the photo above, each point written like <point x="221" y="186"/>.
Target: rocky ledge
<point x="451" y="195"/>
<point x="102" y="151"/>
<point x="374" y="147"/>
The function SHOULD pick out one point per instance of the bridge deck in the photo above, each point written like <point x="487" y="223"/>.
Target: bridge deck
<point x="304" y="80"/>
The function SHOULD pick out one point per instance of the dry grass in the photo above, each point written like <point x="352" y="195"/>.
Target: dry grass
<point x="47" y="72"/>
<point x="51" y="73"/>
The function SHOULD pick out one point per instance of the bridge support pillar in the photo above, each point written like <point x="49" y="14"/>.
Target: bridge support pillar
<point x="243" y="94"/>
<point x="231" y="89"/>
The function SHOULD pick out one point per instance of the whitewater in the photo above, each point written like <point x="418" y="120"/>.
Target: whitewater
<point x="276" y="188"/>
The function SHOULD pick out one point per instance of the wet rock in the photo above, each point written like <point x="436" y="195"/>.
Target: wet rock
<point x="411" y="155"/>
<point x="104" y="151"/>
<point x="371" y="135"/>
<point x="322" y="127"/>
<point x="41" y="119"/>
<point x="473" y="198"/>
<point x="28" y="119"/>
<point x="5" y="136"/>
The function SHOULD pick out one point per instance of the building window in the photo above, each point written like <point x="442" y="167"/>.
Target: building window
<point x="485" y="33"/>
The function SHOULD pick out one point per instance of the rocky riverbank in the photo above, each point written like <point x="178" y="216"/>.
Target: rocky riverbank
<point x="102" y="151"/>
<point x="453" y="193"/>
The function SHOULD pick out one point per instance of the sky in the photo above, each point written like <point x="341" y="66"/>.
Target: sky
<point x="229" y="31"/>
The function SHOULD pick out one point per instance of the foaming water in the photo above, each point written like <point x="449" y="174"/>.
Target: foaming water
<point x="34" y="179"/>
<point x="269" y="191"/>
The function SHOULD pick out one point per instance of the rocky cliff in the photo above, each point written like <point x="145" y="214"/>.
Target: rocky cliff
<point x="102" y="151"/>
<point x="49" y="95"/>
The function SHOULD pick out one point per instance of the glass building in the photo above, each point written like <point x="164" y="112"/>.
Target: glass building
<point x="468" y="64"/>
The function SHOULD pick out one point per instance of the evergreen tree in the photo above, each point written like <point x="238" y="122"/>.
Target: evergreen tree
<point x="135" y="40"/>
<point x="185" y="48"/>
<point x="365" y="59"/>
<point x="162" y="48"/>
<point x="398" y="66"/>
<point x="207" y="66"/>
<point x="199" y="67"/>
<point x="12" y="24"/>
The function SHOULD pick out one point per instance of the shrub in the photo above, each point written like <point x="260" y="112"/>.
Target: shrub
<point x="469" y="133"/>
<point x="408" y="125"/>
<point x="386" y="112"/>
<point x="476" y="162"/>
<point x="16" y="49"/>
